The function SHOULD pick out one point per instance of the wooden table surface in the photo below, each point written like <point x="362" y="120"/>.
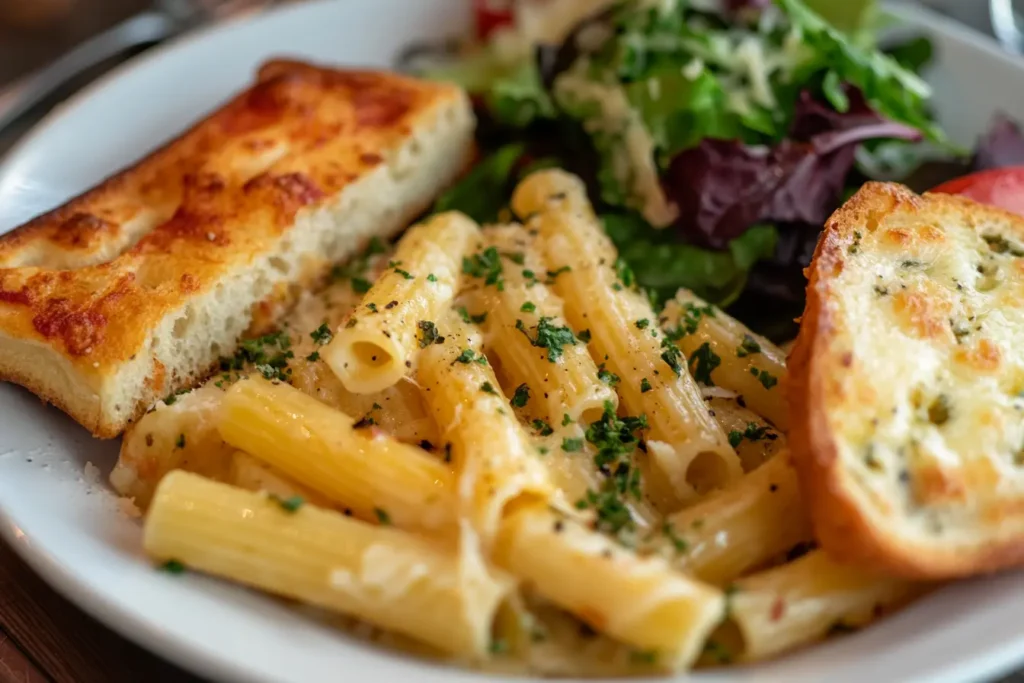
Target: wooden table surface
<point x="43" y="637"/>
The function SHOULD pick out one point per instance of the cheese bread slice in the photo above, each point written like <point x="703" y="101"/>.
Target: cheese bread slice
<point x="907" y="385"/>
<point x="136" y="288"/>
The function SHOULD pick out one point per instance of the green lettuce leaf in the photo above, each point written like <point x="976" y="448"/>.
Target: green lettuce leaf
<point x="662" y="267"/>
<point x="891" y="90"/>
<point x="484" y="191"/>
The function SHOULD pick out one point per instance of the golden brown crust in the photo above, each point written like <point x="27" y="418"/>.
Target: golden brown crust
<point x="849" y="527"/>
<point x="92" y="280"/>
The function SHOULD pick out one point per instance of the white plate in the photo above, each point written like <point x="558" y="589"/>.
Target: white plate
<point x="69" y="529"/>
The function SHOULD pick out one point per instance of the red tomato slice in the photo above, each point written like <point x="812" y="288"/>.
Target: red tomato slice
<point x="490" y="15"/>
<point x="1002" y="187"/>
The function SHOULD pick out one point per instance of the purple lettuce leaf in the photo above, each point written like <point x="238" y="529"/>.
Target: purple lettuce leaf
<point x="722" y="187"/>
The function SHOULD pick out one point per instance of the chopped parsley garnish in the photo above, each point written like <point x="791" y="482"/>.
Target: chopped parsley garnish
<point x="572" y="445"/>
<point x="766" y="379"/>
<point x="431" y="278"/>
<point x="467" y="318"/>
<point x="583" y="336"/>
<point x="542" y="428"/>
<point x="747" y="347"/>
<point x="180" y="441"/>
<point x="753" y="432"/>
<point x="624" y="273"/>
<point x="703" y="362"/>
<point x="486" y="265"/>
<point x="361" y="285"/>
<point x="173" y="567"/>
<point x="405" y="274"/>
<point x="172" y="398"/>
<point x="615" y="438"/>
<point x="521" y="396"/>
<point x="612" y="514"/>
<point x="382" y="516"/>
<point x="470" y="356"/>
<point x="291" y="504"/>
<point x="550" y="337"/>
<point x="642" y="323"/>
<point x="488" y="388"/>
<point x="428" y="334"/>
<point x="371" y="307"/>
<point x="269" y="354"/>
<point x="553" y="274"/>
<point x="607" y="376"/>
<point x="645" y="386"/>
<point x="690" y="320"/>
<point x="364" y="422"/>
<point x="528" y="307"/>
<point x="669" y="532"/>
<point x="321" y="335"/>
<point x="672" y="356"/>
<point x="530" y="277"/>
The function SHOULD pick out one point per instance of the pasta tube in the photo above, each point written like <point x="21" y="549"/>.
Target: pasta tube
<point x="523" y="318"/>
<point x="755" y="520"/>
<point x="388" y="577"/>
<point x="738" y="359"/>
<point x="373" y="475"/>
<point x="376" y="347"/>
<point x="800" y="602"/>
<point x="495" y="460"/>
<point x="685" y="443"/>
<point x="642" y="602"/>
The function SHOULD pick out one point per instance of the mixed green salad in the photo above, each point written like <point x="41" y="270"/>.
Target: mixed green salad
<point x="715" y="136"/>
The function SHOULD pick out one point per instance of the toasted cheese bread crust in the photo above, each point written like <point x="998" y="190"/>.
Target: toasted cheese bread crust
<point x="905" y="385"/>
<point x="137" y="287"/>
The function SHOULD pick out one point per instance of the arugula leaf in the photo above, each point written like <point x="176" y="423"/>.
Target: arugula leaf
<point x="484" y="191"/>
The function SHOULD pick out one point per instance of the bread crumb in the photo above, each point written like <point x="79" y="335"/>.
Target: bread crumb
<point x="92" y="473"/>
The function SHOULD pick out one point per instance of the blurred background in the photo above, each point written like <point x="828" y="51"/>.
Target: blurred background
<point x="33" y="33"/>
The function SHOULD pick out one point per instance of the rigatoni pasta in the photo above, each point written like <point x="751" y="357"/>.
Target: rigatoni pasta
<point x="525" y="327"/>
<point x="747" y="525"/>
<point x="684" y="441"/>
<point x="386" y="576"/>
<point x="540" y="473"/>
<point x="371" y="474"/>
<point x="803" y="601"/>
<point x="642" y="602"/>
<point x="495" y="460"/>
<point x="373" y="350"/>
